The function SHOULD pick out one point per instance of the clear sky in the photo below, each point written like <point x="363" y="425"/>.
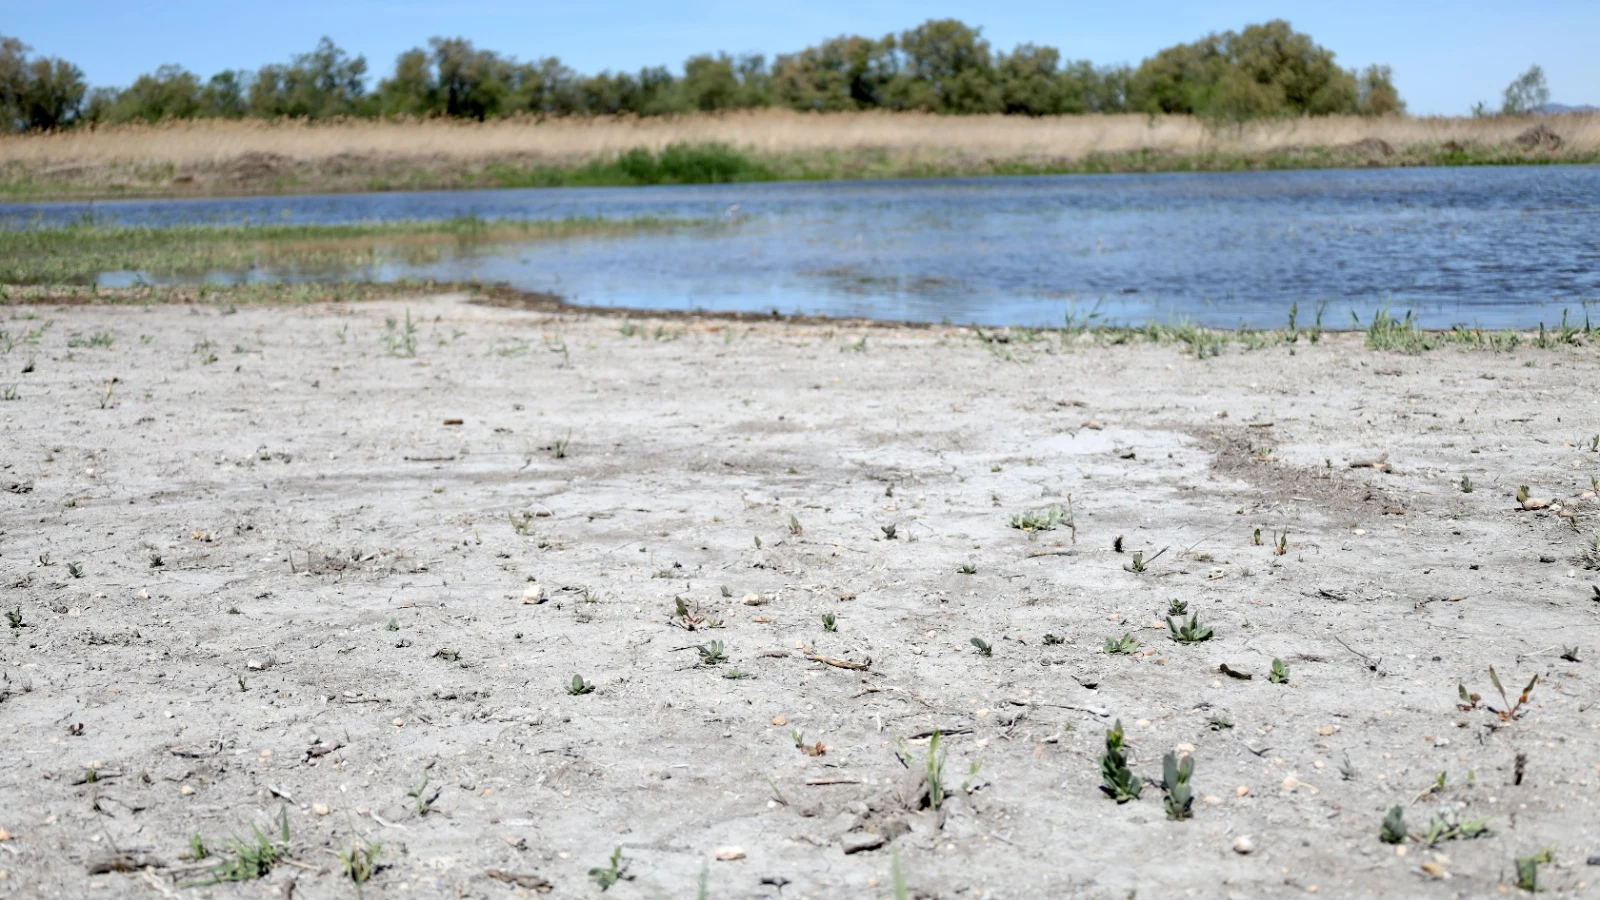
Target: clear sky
<point x="1445" y="55"/>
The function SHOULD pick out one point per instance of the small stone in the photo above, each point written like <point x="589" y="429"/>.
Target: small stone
<point x="858" y="841"/>
<point x="1244" y="845"/>
<point x="1327" y="730"/>
<point x="1211" y="799"/>
<point x="754" y="599"/>
<point x="780" y="720"/>
<point x="186" y="790"/>
<point x="1142" y="723"/>
<point x="1183" y="749"/>
<point x="728" y="854"/>
<point x="321" y="809"/>
<point x="255" y="665"/>
<point x="397" y="722"/>
<point x="1242" y="790"/>
<point x="533" y="594"/>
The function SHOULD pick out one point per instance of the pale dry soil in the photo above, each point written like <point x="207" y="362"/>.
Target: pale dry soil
<point x="262" y="492"/>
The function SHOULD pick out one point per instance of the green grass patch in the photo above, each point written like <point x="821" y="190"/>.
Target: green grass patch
<point x="77" y="253"/>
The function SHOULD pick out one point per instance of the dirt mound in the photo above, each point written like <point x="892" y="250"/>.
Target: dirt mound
<point x="255" y="166"/>
<point x="1372" y="147"/>
<point x="1539" y="137"/>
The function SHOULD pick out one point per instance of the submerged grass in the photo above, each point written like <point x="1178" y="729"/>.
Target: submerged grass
<point x="76" y="253"/>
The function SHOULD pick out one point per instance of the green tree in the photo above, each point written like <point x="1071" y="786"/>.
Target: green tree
<point x="1526" y="95"/>
<point x="223" y="97"/>
<point x="842" y="73"/>
<point x="1264" y="70"/>
<point x="1376" y="93"/>
<point x="37" y="93"/>
<point x="170" y="92"/>
<point x="947" y="67"/>
<point x="325" y="83"/>
<point x="1031" y="83"/>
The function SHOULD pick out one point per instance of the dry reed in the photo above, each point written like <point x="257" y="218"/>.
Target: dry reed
<point x="205" y="144"/>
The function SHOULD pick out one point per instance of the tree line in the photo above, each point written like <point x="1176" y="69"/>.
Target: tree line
<point x="942" y="65"/>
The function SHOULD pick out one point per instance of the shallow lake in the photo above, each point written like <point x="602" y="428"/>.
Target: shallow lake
<point x="1496" y="247"/>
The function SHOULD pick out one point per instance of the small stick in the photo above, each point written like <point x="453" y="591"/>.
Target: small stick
<point x="839" y="663"/>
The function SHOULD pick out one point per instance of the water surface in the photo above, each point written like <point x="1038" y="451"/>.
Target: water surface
<point x="1497" y="247"/>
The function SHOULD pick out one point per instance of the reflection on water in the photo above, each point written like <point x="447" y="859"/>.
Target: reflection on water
<point x="1499" y="247"/>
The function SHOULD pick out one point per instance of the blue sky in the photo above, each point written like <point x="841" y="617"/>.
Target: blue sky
<point x="1445" y="55"/>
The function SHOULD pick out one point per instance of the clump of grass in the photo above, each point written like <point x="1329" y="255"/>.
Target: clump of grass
<point x="1386" y="333"/>
<point x="1190" y="632"/>
<point x="1127" y="645"/>
<point x="607" y="876"/>
<point x="421" y="799"/>
<point x="1393" y="829"/>
<point x="1038" y="519"/>
<point x="247" y="860"/>
<point x="1117" y="780"/>
<point x="1175" y="780"/>
<point x="360" y="862"/>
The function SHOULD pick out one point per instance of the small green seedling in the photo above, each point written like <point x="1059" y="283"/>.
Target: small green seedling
<point x="197" y="847"/>
<point x="14" y="617"/>
<point x="360" y="862"/>
<point x="75" y="570"/>
<point x="1442" y="829"/>
<point x="1138" y="564"/>
<point x="394" y="625"/>
<point x="830" y="622"/>
<point x="1522" y="494"/>
<point x="1255" y="539"/>
<point x="1177" y="607"/>
<point x="1040" y="519"/>
<point x="934" y="765"/>
<point x="1511" y="710"/>
<point x="1126" y="646"/>
<point x="794" y="525"/>
<point x="252" y="859"/>
<point x="1190" y="632"/>
<point x="1050" y="640"/>
<point x="982" y="646"/>
<point x="968" y="569"/>
<point x="1466" y="485"/>
<point x="1117" y="780"/>
<point x="609" y="875"/>
<point x="578" y="687"/>
<point x="1175" y="779"/>
<point x="242" y="686"/>
<point x="419" y="796"/>
<point x="1279" y="673"/>
<point x="558" y="449"/>
<point x="799" y="738"/>
<point x="1393" y="829"/>
<point x="1281" y="548"/>
<point x="520" y="522"/>
<point x="712" y="654"/>
<point x="1528" y="870"/>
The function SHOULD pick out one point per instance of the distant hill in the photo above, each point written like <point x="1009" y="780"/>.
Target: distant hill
<point x="1561" y="109"/>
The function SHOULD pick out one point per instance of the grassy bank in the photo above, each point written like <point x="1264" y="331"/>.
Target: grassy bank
<point x="75" y="254"/>
<point x="217" y="158"/>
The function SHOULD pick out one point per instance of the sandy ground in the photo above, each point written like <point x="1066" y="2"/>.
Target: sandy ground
<point x="261" y="573"/>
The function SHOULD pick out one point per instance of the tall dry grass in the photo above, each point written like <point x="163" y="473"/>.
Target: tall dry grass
<point x="565" y="141"/>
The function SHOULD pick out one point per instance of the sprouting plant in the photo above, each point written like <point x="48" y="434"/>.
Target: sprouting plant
<point x="1522" y="494"/>
<point x="578" y="687"/>
<point x="691" y="619"/>
<point x="249" y="860"/>
<point x="1256" y="538"/>
<point x="1191" y="632"/>
<point x="1442" y="829"/>
<point x="156" y="561"/>
<point x="243" y="686"/>
<point x="1466" y="485"/>
<point x="1393" y="829"/>
<point x="520" y="522"/>
<point x="1469" y="701"/>
<point x="75" y="569"/>
<point x="9" y="392"/>
<point x="982" y="646"/>
<point x="401" y="342"/>
<point x="1127" y="645"/>
<point x="1138" y="564"/>
<point x="972" y="776"/>
<point x="197" y="847"/>
<point x="360" y="862"/>
<point x="14" y="617"/>
<point x="558" y="449"/>
<point x="712" y="654"/>
<point x="901" y="892"/>
<point x="1117" y="780"/>
<point x="933" y="766"/>
<point x="1279" y="673"/>
<point x="1282" y="546"/>
<point x="1051" y="640"/>
<point x="799" y="738"/>
<point x="394" y="625"/>
<point x="1528" y="870"/>
<point x="1040" y="519"/>
<point x="968" y="569"/>
<point x="795" y="527"/>
<point x="1511" y="710"/>
<point x="1175" y="777"/>
<point x="829" y="622"/>
<point x="1177" y="607"/>
<point x="606" y="876"/>
<point x="419" y="796"/>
